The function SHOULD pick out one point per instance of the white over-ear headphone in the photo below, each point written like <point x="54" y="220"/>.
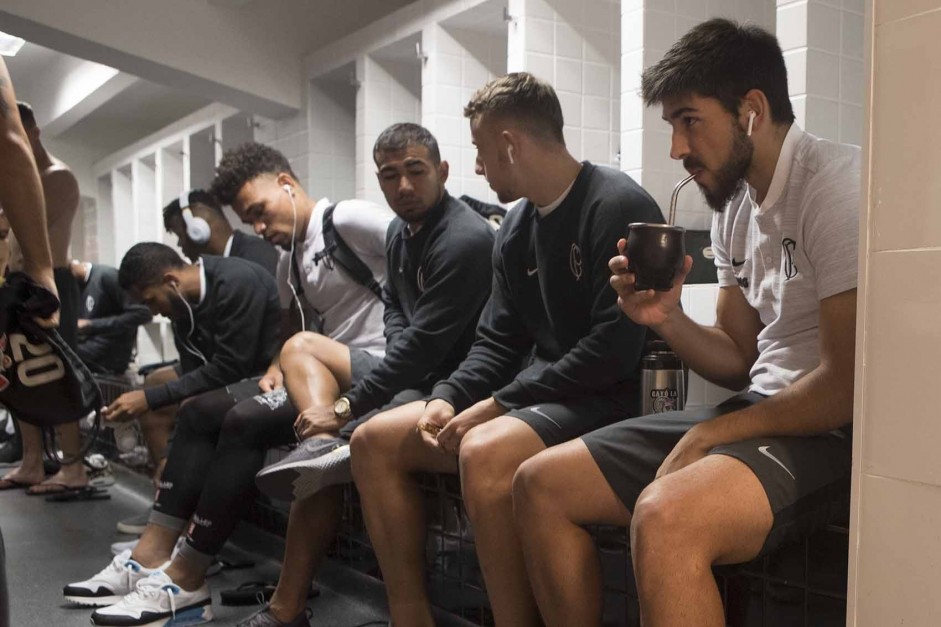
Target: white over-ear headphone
<point x="197" y="229"/>
<point x="751" y="122"/>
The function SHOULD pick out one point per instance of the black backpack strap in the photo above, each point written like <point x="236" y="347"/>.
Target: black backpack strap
<point x="344" y="256"/>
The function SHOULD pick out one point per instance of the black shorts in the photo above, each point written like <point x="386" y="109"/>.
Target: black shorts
<point x="806" y="479"/>
<point x="565" y="420"/>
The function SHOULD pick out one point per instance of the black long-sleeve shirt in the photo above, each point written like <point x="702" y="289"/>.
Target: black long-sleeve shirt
<point x="106" y="344"/>
<point x="252" y="248"/>
<point x="236" y="330"/>
<point x="551" y="296"/>
<point x="438" y="281"/>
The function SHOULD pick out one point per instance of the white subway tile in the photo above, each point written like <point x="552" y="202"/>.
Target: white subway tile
<point x="792" y="26"/>
<point x="823" y="118"/>
<point x="852" y="82"/>
<point x="597" y="79"/>
<point x="799" y="104"/>
<point x="596" y="146"/>
<point x="691" y="8"/>
<point x="851" y="124"/>
<point x="853" y="35"/>
<point x="568" y="76"/>
<point x="632" y="31"/>
<point x="632" y="67"/>
<point x="540" y="65"/>
<point x="823" y="27"/>
<point x="540" y="36"/>
<point x="571" y="108"/>
<point x="795" y="61"/>
<point x="823" y="74"/>
<point x="659" y="29"/>
<point x="568" y="41"/>
<point x="632" y="145"/>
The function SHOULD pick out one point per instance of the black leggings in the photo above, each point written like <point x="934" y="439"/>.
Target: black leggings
<point x="219" y="445"/>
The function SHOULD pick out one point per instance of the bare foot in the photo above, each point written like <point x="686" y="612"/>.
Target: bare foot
<point x="71" y="476"/>
<point x="21" y="476"/>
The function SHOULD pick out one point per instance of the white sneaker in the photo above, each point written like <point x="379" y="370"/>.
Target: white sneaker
<point x="157" y="602"/>
<point x="110" y="585"/>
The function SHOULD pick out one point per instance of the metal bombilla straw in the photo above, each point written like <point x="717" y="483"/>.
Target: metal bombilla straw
<point x="676" y="193"/>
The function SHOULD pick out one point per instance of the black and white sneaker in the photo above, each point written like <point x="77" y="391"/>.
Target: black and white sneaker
<point x="314" y="465"/>
<point x="157" y="602"/>
<point x="110" y="585"/>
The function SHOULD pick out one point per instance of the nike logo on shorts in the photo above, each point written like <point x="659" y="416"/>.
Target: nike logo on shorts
<point x="536" y="411"/>
<point x="764" y="451"/>
<point x="531" y="272"/>
<point x="736" y="264"/>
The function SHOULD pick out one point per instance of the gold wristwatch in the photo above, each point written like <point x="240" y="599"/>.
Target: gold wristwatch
<point x="342" y="409"/>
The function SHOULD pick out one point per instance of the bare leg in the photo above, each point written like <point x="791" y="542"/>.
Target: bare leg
<point x="714" y="511"/>
<point x="72" y="475"/>
<point x="386" y="452"/>
<point x="554" y="494"/>
<point x="316" y="369"/>
<point x="30" y="469"/>
<point x="157" y="425"/>
<point x="490" y="455"/>
<point x="155" y="546"/>
<point x="312" y="528"/>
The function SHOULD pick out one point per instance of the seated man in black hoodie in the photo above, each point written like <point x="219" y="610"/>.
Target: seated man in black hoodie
<point x="437" y="252"/>
<point x="551" y="305"/>
<point x="225" y="315"/>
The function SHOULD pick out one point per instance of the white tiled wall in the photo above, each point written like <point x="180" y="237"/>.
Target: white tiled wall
<point x="333" y="138"/>
<point x="822" y="42"/>
<point x="290" y="136"/>
<point x="895" y="553"/>
<point x="389" y="91"/>
<point x="575" y="46"/>
<point x="648" y="29"/>
<point x="458" y="63"/>
<point x="699" y="303"/>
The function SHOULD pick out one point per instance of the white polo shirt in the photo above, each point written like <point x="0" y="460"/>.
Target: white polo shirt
<point x="799" y="247"/>
<point x="351" y="313"/>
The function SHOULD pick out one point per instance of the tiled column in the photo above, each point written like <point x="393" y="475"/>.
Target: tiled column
<point x="288" y="135"/>
<point x="383" y="98"/>
<point x="332" y="139"/>
<point x="458" y="63"/>
<point x="823" y="47"/>
<point x="574" y="45"/>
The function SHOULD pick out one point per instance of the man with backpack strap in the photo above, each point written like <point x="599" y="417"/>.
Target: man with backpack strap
<point x="221" y="436"/>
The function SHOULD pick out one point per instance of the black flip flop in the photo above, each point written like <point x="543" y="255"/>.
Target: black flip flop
<point x="85" y="493"/>
<point x="248" y="593"/>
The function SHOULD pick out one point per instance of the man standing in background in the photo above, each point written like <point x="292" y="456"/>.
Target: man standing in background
<point x="61" y="195"/>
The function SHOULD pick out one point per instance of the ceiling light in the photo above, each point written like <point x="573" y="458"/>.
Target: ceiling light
<point x="10" y="45"/>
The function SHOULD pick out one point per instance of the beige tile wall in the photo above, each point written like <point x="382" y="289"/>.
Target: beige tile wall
<point x="895" y="548"/>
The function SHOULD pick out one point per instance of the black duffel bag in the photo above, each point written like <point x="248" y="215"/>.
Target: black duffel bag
<point x="42" y="381"/>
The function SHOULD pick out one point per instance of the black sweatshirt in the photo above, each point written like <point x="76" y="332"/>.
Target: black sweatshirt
<point x="236" y="329"/>
<point x="106" y="344"/>
<point x="438" y="282"/>
<point x="252" y="248"/>
<point x="551" y="296"/>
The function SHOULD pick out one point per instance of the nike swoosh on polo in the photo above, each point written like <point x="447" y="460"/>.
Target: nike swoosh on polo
<point x="531" y="272"/>
<point x="764" y="451"/>
<point x="736" y="264"/>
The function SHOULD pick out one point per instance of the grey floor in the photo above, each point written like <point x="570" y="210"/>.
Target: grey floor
<point x="51" y="544"/>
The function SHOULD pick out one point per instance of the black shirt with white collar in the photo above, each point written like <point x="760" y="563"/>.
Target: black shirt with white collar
<point x="551" y="299"/>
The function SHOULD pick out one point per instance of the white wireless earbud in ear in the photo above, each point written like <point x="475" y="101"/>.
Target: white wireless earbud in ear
<point x="509" y="154"/>
<point x="751" y="122"/>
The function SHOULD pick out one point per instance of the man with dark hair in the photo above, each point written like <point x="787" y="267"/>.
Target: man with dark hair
<point x="222" y="436"/>
<point x="107" y="323"/>
<point x="217" y="237"/>
<point x="61" y="195"/>
<point x="436" y="290"/>
<point x="225" y="321"/>
<point x="720" y="485"/>
<point x="551" y="306"/>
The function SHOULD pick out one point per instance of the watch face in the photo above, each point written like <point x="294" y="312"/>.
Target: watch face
<point x="342" y="407"/>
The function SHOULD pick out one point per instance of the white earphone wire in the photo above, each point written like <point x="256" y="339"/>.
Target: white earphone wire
<point x="187" y="344"/>
<point x="297" y="299"/>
